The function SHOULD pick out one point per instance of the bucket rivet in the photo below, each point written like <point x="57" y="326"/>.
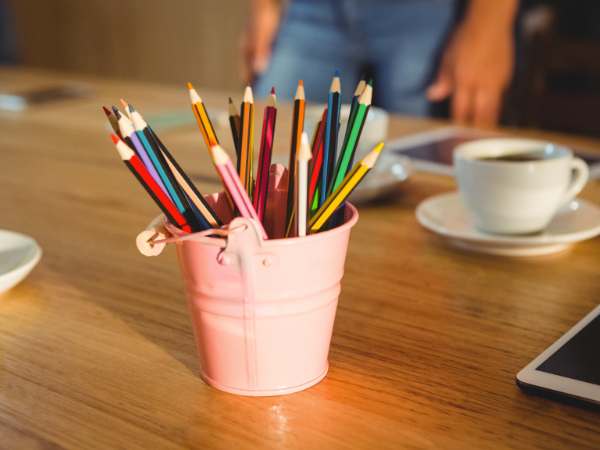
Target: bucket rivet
<point x="225" y="259"/>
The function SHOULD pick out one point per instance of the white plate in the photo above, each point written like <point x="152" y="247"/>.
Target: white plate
<point x="446" y="215"/>
<point x="18" y="256"/>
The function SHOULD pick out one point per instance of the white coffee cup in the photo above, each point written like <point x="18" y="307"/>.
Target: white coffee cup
<point x="516" y="196"/>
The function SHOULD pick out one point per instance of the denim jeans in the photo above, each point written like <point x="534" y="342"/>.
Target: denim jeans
<point x="399" y="41"/>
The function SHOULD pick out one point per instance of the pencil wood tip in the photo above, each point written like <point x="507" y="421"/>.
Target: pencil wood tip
<point x="248" y="96"/>
<point x="304" y="152"/>
<point x="371" y="158"/>
<point x="219" y="155"/>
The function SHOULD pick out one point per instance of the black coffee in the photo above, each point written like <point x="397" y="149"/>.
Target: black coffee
<point x="517" y="157"/>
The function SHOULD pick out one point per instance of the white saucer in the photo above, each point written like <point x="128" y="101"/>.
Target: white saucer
<point x="446" y="215"/>
<point x="18" y="256"/>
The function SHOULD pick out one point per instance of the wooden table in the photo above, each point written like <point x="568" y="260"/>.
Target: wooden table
<point x="96" y="348"/>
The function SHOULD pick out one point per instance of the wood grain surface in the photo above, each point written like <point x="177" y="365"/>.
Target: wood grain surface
<point x="96" y="347"/>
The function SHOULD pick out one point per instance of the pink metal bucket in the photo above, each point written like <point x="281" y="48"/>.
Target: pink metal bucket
<point x="263" y="310"/>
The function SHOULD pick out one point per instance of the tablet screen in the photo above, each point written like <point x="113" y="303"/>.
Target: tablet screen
<point x="579" y="358"/>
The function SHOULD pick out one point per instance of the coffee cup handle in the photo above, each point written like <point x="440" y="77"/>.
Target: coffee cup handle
<point x="582" y="173"/>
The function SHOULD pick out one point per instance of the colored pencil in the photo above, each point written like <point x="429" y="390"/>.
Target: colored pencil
<point x="264" y="156"/>
<point x="233" y="185"/>
<point x="196" y="199"/>
<point x="344" y="189"/>
<point x="204" y="123"/>
<point x="112" y="119"/>
<point x="246" y="140"/>
<point x="349" y="147"/>
<point x="133" y="162"/>
<point x="317" y="163"/>
<point x="296" y="136"/>
<point x="157" y="159"/>
<point x="332" y="127"/>
<point x="131" y="137"/>
<point x="235" y="123"/>
<point x="303" y="156"/>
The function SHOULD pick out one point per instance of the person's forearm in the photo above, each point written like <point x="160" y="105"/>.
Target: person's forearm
<point x="491" y="12"/>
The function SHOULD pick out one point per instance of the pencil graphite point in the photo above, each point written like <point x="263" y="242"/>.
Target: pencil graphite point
<point x="131" y="108"/>
<point x="300" y="82"/>
<point x="124" y="103"/>
<point x="272" y="90"/>
<point x="190" y="86"/>
<point x="115" y="110"/>
<point x="336" y="73"/>
<point x="107" y="111"/>
<point x="114" y="138"/>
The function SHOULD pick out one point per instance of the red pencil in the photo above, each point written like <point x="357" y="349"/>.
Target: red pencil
<point x="136" y="166"/>
<point x="317" y="151"/>
<point x="264" y="157"/>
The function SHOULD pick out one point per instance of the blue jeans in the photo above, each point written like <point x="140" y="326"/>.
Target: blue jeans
<point x="399" y="41"/>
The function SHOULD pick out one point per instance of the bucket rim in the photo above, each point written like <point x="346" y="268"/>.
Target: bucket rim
<point x="347" y="225"/>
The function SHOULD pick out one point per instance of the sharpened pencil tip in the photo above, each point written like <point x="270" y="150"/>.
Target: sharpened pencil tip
<point x="117" y="112"/>
<point x="124" y="103"/>
<point x="115" y="138"/>
<point x="273" y="90"/>
<point x="336" y="73"/>
<point x="230" y="101"/>
<point x="370" y="82"/>
<point x="190" y="86"/>
<point x="131" y="108"/>
<point x="107" y="111"/>
<point x="114" y="109"/>
<point x="248" y="96"/>
<point x="300" y="82"/>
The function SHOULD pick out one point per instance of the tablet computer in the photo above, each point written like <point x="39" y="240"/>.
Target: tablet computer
<point x="432" y="151"/>
<point x="570" y="368"/>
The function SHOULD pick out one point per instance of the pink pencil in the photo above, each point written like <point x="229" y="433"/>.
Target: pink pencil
<point x="233" y="185"/>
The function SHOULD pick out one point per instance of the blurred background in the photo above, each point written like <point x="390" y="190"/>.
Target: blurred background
<point x="556" y="86"/>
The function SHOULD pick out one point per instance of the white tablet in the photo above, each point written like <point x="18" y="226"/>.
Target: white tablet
<point x="569" y="368"/>
<point x="431" y="151"/>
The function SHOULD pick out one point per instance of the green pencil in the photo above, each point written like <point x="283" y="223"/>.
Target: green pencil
<point x="355" y="125"/>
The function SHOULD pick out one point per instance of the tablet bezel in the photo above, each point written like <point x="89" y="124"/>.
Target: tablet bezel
<point x="583" y="390"/>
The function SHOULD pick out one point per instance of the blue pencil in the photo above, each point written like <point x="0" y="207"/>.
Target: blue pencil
<point x="332" y="126"/>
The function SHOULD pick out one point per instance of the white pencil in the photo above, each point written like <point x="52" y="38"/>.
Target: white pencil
<point x="302" y="157"/>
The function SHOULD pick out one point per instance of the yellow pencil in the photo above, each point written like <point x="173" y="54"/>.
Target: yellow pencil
<point x="204" y="123"/>
<point x="337" y="197"/>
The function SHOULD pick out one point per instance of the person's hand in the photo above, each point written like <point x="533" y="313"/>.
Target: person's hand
<point x="476" y="68"/>
<point x="258" y="37"/>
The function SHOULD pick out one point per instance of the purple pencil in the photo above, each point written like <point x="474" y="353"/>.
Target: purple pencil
<point x="128" y="132"/>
